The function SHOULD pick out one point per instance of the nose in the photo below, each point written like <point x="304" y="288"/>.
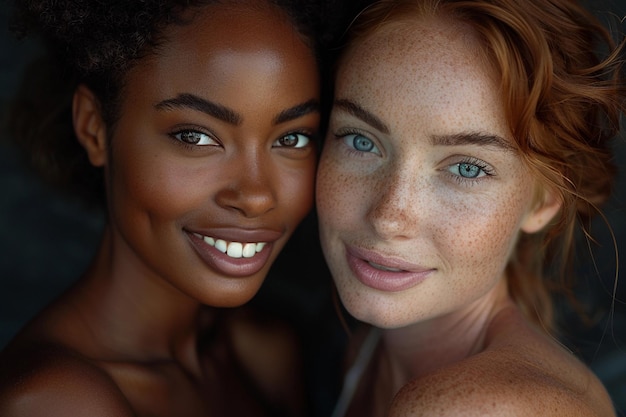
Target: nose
<point x="250" y="190"/>
<point x="395" y="210"/>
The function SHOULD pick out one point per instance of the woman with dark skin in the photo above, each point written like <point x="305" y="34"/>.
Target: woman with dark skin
<point x="204" y="133"/>
<point x="466" y="140"/>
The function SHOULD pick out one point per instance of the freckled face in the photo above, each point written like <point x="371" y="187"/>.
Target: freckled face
<point x="212" y="163"/>
<point x="420" y="193"/>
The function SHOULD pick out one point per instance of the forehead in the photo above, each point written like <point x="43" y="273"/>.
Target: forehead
<point x="431" y="67"/>
<point x="422" y="44"/>
<point x="237" y="26"/>
<point x="225" y="50"/>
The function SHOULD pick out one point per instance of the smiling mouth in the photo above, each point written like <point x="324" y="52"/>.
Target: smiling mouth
<point x="234" y="249"/>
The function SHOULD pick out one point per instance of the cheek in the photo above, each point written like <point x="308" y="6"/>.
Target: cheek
<point x="482" y="232"/>
<point x="153" y="184"/>
<point x="333" y="193"/>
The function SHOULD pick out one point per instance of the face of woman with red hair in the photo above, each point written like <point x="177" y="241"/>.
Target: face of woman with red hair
<point x="420" y="192"/>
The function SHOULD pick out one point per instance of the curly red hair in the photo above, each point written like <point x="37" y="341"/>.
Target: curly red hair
<point x="563" y="102"/>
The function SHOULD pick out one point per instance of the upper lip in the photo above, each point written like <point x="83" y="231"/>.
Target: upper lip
<point x="389" y="261"/>
<point x="234" y="234"/>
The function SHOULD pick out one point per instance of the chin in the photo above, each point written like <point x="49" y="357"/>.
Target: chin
<point x="234" y="295"/>
<point x="364" y="312"/>
<point x="380" y="313"/>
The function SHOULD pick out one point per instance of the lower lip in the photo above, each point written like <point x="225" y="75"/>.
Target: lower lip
<point x="233" y="267"/>
<point x="382" y="280"/>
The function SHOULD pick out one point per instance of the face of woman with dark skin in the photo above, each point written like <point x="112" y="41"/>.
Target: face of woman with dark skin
<point x="211" y="165"/>
<point x="421" y="193"/>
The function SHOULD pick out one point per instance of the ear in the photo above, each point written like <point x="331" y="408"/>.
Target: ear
<point x="89" y="126"/>
<point x="548" y="206"/>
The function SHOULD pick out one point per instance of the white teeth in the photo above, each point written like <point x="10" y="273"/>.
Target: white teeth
<point x="221" y="245"/>
<point x="234" y="249"/>
<point x="249" y="250"/>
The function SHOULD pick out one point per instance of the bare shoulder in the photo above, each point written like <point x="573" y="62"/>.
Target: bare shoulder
<point x="524" y="373"/>
<point x="39" y="379"/>
<point x="498" y="386"/>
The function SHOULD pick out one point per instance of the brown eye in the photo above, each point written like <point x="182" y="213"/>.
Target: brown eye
<point x="293" y="140"/>
<point x="194" y="137"/>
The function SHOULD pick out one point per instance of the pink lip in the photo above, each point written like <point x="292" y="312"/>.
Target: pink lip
<point x="234" y="267"/>
<point x="407" y="276"/>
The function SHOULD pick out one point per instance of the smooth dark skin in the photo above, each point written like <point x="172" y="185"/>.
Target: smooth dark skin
<point x="134" y="337"/>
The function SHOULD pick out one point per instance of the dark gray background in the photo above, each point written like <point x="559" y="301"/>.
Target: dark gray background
<point x="46" y="241"/>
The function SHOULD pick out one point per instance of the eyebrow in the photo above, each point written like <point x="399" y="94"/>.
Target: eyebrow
<point x="464" y="138"/>
<point x="472" y="138"/>
<point x="230" y="116"/>
<point x="198" y="103"/>
<point x="359" y="112"/>
<point x="297" y="111"/>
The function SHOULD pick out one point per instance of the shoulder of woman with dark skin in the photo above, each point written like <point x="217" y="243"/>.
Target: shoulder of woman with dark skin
<point x="52" y="368"/>
<point x="40" y="379"/>
<point x="47" y="367"/>
<point x="206" y="178"/>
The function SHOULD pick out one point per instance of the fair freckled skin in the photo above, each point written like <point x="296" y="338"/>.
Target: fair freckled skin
<point x="412" y="205"/>
<point x="414" y="105"/>
<point x="134" y="332"/>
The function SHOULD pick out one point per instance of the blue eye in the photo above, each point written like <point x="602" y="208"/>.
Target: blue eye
<point x="194" y="137"/>
<point x="361" y="143"/>
<point x="468" y="170"/>
<point x="293" y="140"/>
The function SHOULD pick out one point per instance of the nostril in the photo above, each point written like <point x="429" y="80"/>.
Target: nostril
<point x="250" y="201"/>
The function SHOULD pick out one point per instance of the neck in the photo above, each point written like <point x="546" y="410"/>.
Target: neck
<point x="418" y="349"/>
<point x="131" y="313"/>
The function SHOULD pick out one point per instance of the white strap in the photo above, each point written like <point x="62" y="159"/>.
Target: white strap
<point x="353" y="376"/>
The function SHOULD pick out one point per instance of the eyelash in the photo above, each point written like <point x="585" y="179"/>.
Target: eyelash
<point x="342" y="134"/>
<point x="195" y="147"/>
<point x="308" y="135"/>
<point x="482" y="165"/>
<point x="191" y="129"/>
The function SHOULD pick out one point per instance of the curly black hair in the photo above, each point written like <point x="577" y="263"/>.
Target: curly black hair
<point x="95" y="43"/>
